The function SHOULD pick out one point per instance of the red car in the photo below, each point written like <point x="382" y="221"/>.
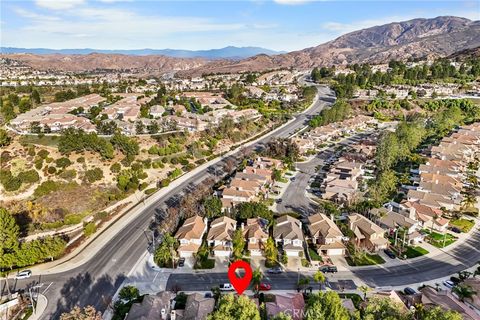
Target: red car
<point x="264" y="287"/>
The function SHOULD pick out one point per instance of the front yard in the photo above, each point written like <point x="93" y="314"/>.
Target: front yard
<point x="413" y="252"/>
<point x="463" y="224"/>
<point x="364" y="259"/>
<point x="439" y="240"/>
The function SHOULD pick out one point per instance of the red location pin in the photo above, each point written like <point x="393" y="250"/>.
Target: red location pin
<point x="240" y="284"/>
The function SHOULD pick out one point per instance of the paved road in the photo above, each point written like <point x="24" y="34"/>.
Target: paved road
<point x="96" y="281"/>
<point x="295" y="196"/>
<point x="424" y="269"/>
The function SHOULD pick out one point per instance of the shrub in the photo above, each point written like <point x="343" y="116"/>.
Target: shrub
<point x="89" y="228"/>
<point x="68" y="174"/>
<point x="49" y="160"/>
<point x="149" y="191"/>
<point x="52" y="170"/>
<point x="63" y="162"/>
<point x="30" y="176"/>
<point x="43" y="153"/>
<point x="10" y="183"/>
<point x="93" y="175"/>
<point x="81" y="160"/>
<point x="164" y="183"/>
<point x="73" y="219"/>
<point x="128" y="293"/>
<point x="31" y="151"/>
<point x="39" y="164"/>
<point x="45" y="188"/>
<point x="142" y="186"/>
<point x="116" y="167"/>
<point x="101" y="215"/>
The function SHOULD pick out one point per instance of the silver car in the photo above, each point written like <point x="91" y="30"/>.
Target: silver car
<point x="23" y="274"/>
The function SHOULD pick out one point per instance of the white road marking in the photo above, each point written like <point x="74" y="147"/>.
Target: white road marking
<point x="47" y="287"/>
<point x="156" y="276"/>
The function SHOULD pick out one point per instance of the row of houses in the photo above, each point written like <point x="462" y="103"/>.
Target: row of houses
<point x="325" y="134"/>
<point x="251" y="184"/>
<point x="56" y="116"/>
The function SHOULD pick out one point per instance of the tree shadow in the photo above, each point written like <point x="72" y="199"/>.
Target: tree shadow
<point x="83" y="290"/>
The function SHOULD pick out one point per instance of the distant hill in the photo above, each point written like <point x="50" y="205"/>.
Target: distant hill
<point x="413" y="39"/>
<point x="230" y="52"/>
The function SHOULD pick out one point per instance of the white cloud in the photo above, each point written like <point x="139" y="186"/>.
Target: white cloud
<point x="58" y="4"/>
<point x="291" y="2"/>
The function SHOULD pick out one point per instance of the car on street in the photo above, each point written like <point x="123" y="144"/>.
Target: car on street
<point x="181" y="262"/>
<point x="279" y="201"/>
<point x="275" y="270"/>
<point x="455" y="229"/>
<point x="449" y="284"/>
<point x="208" y="295"/>
<point x="264" y="287"/>
<point x="409" y="291"/>
<point x="390" y="253"/>
<point x="292" y="179"/>
<point x="23" y="274"/>
<point x="226" y="287"/>
<point x="455" y="280"/>
<point x="328" y="269"/>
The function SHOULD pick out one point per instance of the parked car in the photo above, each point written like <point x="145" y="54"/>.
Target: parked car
<point x="264" y="287"/>
<point x="275" y="270"/>
<point x="455" y="280"/>
<point x="449" y="284"/>
<point x="390" y="253"/>
<point x="409" y="291"/>
<point x="181" y="262"/>
<point x="328" y="269"/>
<point x="456" y="230"/>
<point x="292" y="179"/>
<point x="226" y="287"/>
<point x="23" y="274"/>
<point x="279" y="201"/>
<point x="208" y="295"/>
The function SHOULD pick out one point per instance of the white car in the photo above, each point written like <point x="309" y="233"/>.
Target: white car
<point x="449" y="284"/>
<point x="226" y="287"/>
<point x="23" y="274"/>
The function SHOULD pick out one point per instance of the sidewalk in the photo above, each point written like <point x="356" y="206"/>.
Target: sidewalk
<point x="41" y="306"/>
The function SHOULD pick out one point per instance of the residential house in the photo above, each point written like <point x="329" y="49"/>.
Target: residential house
<point x="190" y="236"/>
<point x="256" y="234"/>
<point x="157" y="111"/>
<point x="197" y="307"/>
<point x="152" y="307"/>
<point x="427" y="216"/>
<point x="393" y="221"/>
<point x="292" y="304"/>
<point x="219" y="237"/>
<point x="326" y="235"/>
<point x="304" y="144"/>
<point x="287" y="232"/>
<point x="367" y="234"/>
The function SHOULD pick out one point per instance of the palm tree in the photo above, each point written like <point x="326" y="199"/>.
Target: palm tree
<point x="319" y="278"/>
<point x="464" y="292"/>
<point x="364" y="289"/>
<point x="257" y="277"/>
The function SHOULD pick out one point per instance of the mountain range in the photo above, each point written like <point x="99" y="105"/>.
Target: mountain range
<point x="417" y="39"/>
<point x="229" y="52"/>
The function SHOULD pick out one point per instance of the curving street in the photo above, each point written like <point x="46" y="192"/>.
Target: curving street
<point x="96" y="280"/>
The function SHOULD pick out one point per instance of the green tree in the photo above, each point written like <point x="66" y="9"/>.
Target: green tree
<point x="212" y="206"/>
<point x="246" y="210"/>
<point x="326" y="305"/>
<point x="281" y="316"/>
<point x="238" y="242"/>
<point x="464" y="292"/>
<point x="4" y="138"/>
<point x="164" y="254"/>
<point x="271" y="251"/>
<point x="257" y="277"/>
<point x="438" y="313"/>
<point x="35" y="96"/>
<point x="9" y="233"/>
<point x="385" y="309"/>
<point x="388" y="151"/>
<point x="129" y="293"/>
<point x="319" y="278"/>
<point x="63" y="162"/>
<point x="235" y="308"/>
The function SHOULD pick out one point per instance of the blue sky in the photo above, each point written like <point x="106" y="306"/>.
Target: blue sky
<point x="128" y="24"/>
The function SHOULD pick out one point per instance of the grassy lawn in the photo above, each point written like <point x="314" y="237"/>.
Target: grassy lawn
<point x="49" y="141"/>
<point x="356" y="299"/>
<point x="204" y="264"/>
<point x="439" y="240"/>
<point x="413" y="252"/>
<point x="364" y="259"/>
<point x="314" y="255"/>
<point x="463" y="224"/>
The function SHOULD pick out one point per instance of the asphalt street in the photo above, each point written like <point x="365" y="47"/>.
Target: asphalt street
<point x="422" y="270"/>
<point x="96" y="281"/>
